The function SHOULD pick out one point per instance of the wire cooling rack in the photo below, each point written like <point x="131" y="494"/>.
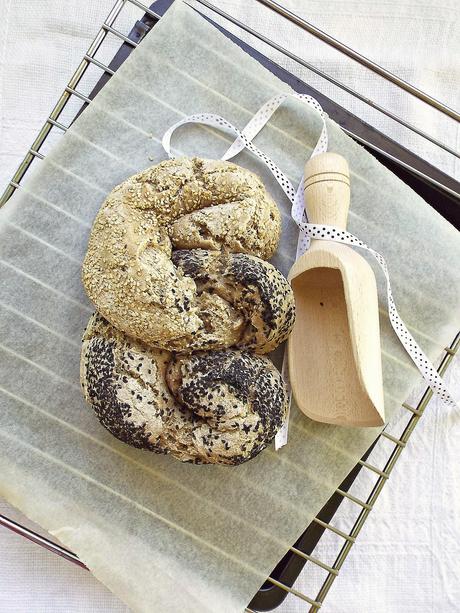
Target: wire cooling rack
<point x="441" y="190"/>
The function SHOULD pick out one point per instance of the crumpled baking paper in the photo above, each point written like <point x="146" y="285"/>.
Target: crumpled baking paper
<point x="162" y="535"/>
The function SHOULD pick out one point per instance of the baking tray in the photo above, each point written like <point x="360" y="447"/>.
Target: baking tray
<point x="439" y="189"/>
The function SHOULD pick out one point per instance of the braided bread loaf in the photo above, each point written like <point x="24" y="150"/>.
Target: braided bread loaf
<point x="132" y="277"/>
<point x="174" y="264"/>
<point x="209" y="407"/>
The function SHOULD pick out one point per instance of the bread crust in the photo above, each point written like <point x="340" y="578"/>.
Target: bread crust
<point x="187" y="202"/>
<point x="194" y="203"/>
<point x="209" y="407"/>
<point x="242" y="301"/>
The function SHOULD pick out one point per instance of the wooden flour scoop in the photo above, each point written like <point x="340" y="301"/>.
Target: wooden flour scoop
<point x="334" y="350"/>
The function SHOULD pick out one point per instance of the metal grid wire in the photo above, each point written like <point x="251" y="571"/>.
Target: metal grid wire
<point x="362" y="506"/>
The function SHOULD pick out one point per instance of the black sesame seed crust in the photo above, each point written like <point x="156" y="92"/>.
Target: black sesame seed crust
<point x="114" y="382"/>
<point x="219" y="407"/>
<point x="260" y="299"/>
<point x="273" y="298"/>
<point x="240" y="397"/>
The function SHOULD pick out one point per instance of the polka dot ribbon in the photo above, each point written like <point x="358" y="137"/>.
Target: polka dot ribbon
<point x="308" y="231"/>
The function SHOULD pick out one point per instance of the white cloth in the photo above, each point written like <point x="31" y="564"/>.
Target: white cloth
<point x="406" y="558"/>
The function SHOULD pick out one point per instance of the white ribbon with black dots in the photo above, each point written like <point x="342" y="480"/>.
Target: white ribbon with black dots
<point x="307" y="230"/>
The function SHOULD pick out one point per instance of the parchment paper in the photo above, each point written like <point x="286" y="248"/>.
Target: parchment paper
<point x="162" y="535"/>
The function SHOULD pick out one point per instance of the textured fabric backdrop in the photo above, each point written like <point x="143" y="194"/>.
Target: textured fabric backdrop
<point x="407" y="556"/>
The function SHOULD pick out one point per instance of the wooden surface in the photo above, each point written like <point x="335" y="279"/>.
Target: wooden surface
<point x="334" y="350"/>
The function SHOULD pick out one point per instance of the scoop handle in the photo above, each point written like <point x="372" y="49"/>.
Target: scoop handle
<point x="327" y="190"/>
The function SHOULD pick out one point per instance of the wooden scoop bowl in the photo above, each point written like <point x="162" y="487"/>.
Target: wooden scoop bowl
<point x="334" y="356"/>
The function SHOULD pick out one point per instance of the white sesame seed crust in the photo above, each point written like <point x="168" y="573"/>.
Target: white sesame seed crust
<point x="183" y="203"/>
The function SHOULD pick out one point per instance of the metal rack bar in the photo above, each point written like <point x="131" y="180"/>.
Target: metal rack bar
<point x="326" y="76"/>
<point x="357" y="501"/>
<point x="324" y="524"/>
<point x="40" y="540"/>
<point x="411" y="409"/>
<point x="374" y="469"/>
<point x="401" y="163"/>
<point x="145" y="8"/>
<point x="364" y="61"/>
<point x="291" y="590"/>
<point x="36" y="154"/>
<point x="76" y="93"/>
<point x="71" y="557"/>
<point x="103" y="67"/>
<point x="314" y="560"/>
<point x="107" y="27"/>
<point x="119" y="34"/>
<point x="393" y="439"/>
<point x="59" y="125"/>
<point x="58" y="549"/>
